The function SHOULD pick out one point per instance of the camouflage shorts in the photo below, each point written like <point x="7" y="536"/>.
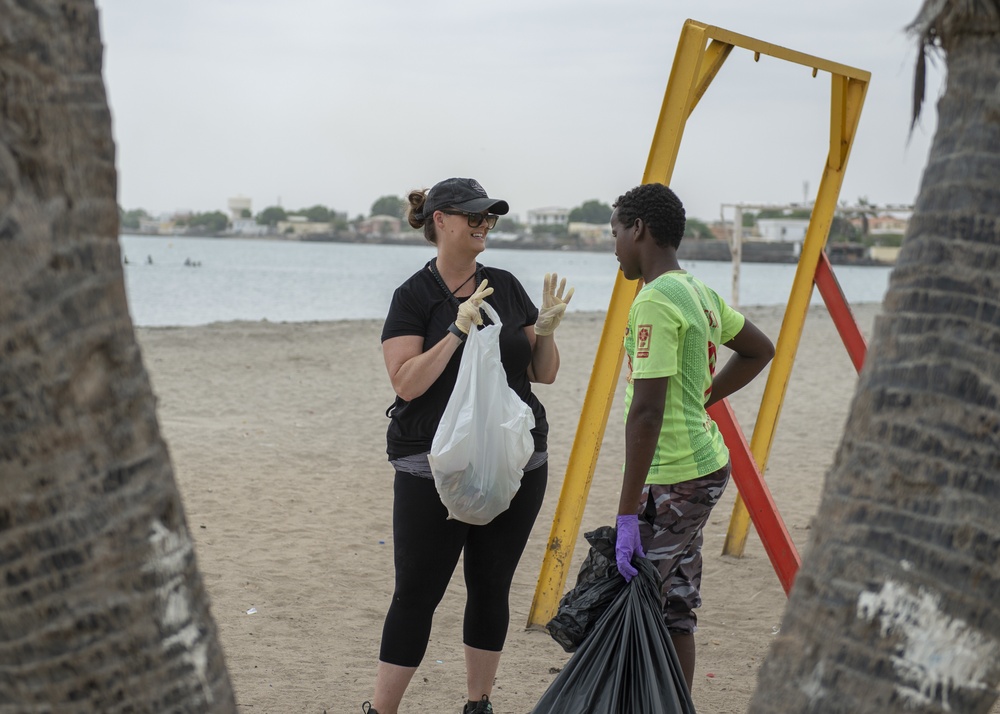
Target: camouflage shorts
<point x="670" y="525"/>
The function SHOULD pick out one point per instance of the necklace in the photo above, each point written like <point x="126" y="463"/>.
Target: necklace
<point x="466" y="282"/>
<point x="441" y="284"/>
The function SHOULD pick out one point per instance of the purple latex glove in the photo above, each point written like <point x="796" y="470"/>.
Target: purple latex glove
<point x="627" y="544"/>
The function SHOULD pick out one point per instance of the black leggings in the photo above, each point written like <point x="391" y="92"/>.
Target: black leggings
<point x="426" y="550"/>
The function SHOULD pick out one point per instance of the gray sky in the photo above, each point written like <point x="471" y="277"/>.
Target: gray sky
<point x="545" y="102"/>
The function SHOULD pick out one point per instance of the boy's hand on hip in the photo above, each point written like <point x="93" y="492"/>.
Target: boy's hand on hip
<point x="627" y="544"/>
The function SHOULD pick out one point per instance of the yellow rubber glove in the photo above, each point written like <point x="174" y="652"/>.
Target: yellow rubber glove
<point x="468" y="311"/>
<point x="553" y="305"/>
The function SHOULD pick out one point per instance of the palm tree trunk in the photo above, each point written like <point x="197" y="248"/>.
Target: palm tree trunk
<point x="895" y="608"/>
<point x="102" y="607"/>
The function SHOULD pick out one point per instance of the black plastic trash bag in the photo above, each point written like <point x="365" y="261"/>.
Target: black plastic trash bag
<point x="596" y="586"/>
<point x="626" y="664"/>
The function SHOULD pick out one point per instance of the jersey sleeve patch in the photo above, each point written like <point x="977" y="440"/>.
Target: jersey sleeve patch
<point x="644" y="335"/>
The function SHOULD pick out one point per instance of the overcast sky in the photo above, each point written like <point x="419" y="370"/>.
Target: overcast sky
<point x="545" y="102"/>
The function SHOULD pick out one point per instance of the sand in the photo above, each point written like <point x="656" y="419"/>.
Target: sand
<point x="276" y="432"/>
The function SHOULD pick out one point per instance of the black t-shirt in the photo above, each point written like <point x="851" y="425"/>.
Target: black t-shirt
<point x="420" y="307"/>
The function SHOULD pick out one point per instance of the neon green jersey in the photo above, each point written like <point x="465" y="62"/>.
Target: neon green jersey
<point x="675" y="326"/>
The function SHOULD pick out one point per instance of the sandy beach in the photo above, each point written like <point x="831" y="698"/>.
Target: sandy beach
<point x="276" y="432"/>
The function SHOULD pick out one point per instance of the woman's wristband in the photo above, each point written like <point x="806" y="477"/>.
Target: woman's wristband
<point x="454" y="329"/>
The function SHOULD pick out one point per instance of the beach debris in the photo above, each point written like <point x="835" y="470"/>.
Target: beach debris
<point x="251" y="611"/>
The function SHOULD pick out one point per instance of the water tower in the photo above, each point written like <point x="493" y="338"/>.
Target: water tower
<point x="237" y="206"/>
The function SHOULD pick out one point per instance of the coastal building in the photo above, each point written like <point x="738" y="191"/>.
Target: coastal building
<point x="722" y="230"/>
<point x="248" y="227"/>
<point x="885" y="254"/>
<point x="379" y="226"/>
<point x="161" y="225"/>
<point x="782" y="230"/>
<point x="240" y="207"/>
<point x="548" y="216"/>
<point x="299" y="226"/>
<point x="241" y="220"/>
<point x="887" y="225"/>
<point x="504" y="237"/>
<point x="591" y="234"/>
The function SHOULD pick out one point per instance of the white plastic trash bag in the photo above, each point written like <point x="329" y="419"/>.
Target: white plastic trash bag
<point x="484" y="438"/>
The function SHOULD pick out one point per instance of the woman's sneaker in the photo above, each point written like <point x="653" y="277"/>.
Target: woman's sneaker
<point x="483" y="706"/>
<point x="366" y="708"/>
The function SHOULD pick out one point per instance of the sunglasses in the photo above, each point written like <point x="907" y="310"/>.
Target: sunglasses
<point x="476" y="219"/>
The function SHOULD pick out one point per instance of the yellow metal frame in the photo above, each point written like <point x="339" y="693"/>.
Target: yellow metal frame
<point x="701" y="52"/>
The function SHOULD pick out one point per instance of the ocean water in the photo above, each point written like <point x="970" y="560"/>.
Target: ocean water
<point x="289" y="281"/>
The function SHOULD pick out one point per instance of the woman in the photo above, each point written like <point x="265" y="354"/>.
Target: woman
<point x="429" y="318"/>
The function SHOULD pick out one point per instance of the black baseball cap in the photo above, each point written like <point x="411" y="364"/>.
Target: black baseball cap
<point x="462" y="194"/>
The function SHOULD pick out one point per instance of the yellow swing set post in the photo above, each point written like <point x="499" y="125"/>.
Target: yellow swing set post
<point x="701" y="52"/>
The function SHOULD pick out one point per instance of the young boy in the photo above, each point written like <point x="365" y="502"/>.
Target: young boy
<point x="676" y="463"/>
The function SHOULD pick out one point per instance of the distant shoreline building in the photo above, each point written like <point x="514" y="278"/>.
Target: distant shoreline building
<point x="548" y="216"/>
<point x="591" y="234"/>
<point x="782" y="230"/>
<point x="298" y="226"/>
<point x="379" y="226"/>
<point x="241" y="220"/>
